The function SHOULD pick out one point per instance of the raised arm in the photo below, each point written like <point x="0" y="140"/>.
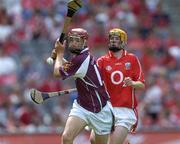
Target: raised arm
<point x="59" y="60"/>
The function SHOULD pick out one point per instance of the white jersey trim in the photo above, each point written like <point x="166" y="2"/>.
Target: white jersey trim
<point x="140" y="71"/>
<point x="98" y="74"/>
<point x="81" y="72"/>
<point x="98" y="98"/>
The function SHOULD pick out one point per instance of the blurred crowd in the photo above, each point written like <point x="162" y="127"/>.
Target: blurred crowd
<point x="28" y="30"/>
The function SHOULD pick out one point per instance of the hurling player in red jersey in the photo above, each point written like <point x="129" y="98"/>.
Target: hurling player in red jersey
<point x="122" y="74"/>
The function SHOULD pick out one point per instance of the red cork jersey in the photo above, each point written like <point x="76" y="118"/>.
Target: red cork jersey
<point x="114" y="70"/>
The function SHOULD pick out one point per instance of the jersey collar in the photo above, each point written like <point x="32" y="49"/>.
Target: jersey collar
<point x="85" y="50"/>
<point x="112" y="55"/>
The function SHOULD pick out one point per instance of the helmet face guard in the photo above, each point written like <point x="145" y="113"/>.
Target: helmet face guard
<point x="122" y="36"/>
<point x="77" y="34"/>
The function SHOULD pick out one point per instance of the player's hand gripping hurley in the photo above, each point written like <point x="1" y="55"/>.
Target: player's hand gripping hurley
<point x="73" y="7"/>
<point x="39" y="97"/>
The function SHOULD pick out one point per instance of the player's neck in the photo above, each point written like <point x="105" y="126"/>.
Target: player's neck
<point x="118" y="54"/>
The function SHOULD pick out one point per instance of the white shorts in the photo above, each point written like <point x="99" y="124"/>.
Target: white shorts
<point x="125" y="117"/>
<point x="100" y="122"/>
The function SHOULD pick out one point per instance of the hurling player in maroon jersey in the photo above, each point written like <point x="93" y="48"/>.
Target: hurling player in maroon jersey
<point x="92" y="107"/>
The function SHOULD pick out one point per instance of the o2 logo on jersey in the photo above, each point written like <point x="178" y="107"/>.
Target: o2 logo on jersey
<point x="114" y="80"/>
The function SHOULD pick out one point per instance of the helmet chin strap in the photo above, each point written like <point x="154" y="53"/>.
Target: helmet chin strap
<point x="75" y="51"/>
<point x="84" y="44"/>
